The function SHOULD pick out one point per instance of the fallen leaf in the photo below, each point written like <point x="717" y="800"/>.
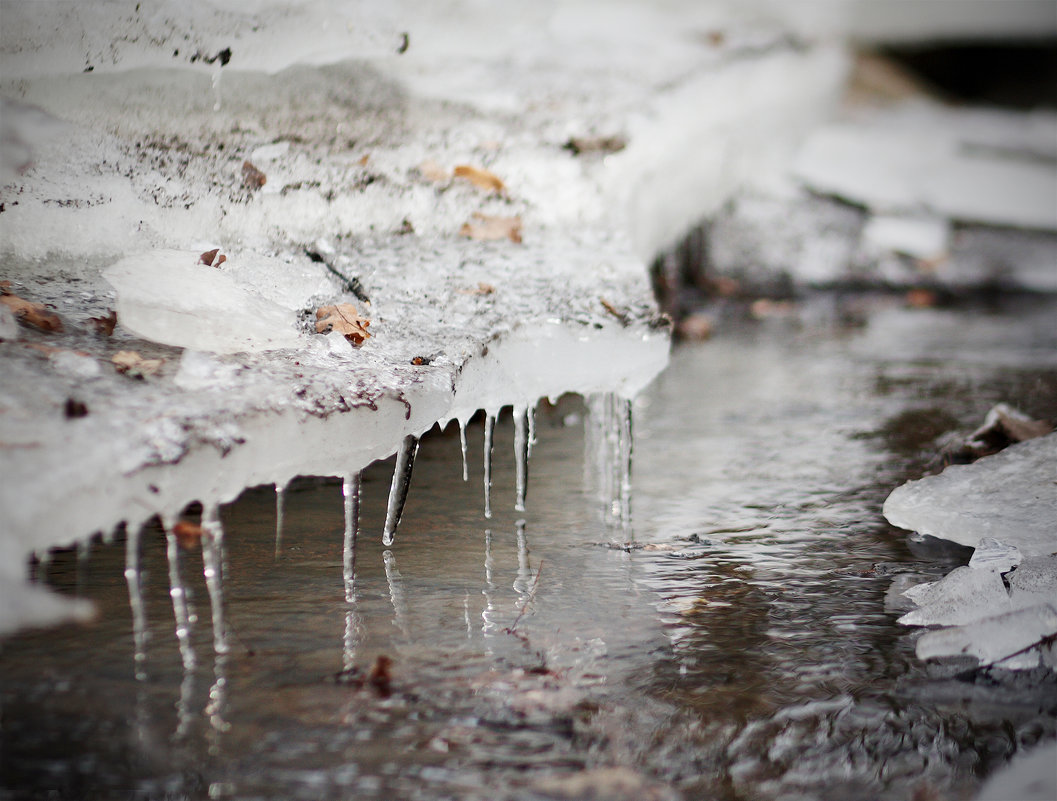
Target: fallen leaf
<point x="484" y="289"/>
<point x="130" y="363"/>
<point x="432" y="171"/>
<point x="488" y="228"/>
<point x="482" y="179"/>
<point x="212" y="258"/>
<point x="380" y="676"/>
<point x="105" y="325"/>
<point x="187" y="534"/>
<point x="363" y="160"/>
<point x="583" y="145"/>
<point x="345" y="319"/>
<point x="253" y="177"/>
<point x="922" y="299"/>
<point x="33" y="314"/>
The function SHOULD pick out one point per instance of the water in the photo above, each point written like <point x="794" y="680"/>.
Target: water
<point x="726" y="637"/>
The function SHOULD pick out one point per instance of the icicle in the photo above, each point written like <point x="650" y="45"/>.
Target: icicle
<point x="521" y="448"/>
<point x="489" y="430"/>
<point x="218" y="695"/>
<point x="396" y="591"/>
<point x="351" y="491"/>
<point x="84" y="548"/>
<point x="462" y="444"/>
<point x="183" y="705"/>
<point x="280" y="514"/>
<point x="405" y="463"/>
<point x="178" y="593"/>
<point x="531" y="428"/>
<point x="135" y="599"/>
<point x="212" y="560"/>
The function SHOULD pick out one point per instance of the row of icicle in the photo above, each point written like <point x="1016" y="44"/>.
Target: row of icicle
<point x="608" y="457"/>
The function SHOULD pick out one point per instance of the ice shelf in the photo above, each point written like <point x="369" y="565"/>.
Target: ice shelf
<point x="486" y="194"/>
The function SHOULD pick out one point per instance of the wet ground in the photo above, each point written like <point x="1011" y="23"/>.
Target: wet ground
<point x="734" y="644"/>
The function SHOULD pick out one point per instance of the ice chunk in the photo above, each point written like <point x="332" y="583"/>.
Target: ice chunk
<point x="995" y="638"/>
<point x="991" y="554"/>
<point x="1034" y="582"/>
<point x="167" y="296"/>
<point x="1028" y="777"/>
<point x="963" y="596"/>
<point x="1009" y="496"/>
<point x="917" y="237"/>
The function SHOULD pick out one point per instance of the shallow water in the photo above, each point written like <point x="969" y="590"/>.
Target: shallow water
<point x="733" y="644"/>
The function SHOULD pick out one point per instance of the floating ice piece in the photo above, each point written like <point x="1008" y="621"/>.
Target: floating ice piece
<point x="907" y="162"/>
<point x="1009" y="496"/>
<point x="990" y="554"/>
<point x="166" y="296"/>
<point x="965" y="595"/>
<point x="917" y="237"/>
<point x="994" y="639"/>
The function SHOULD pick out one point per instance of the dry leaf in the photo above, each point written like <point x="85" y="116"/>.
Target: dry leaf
<point x="488" y="228"/>
<point x="484" y="289"/>
<point x="187" y="534"/>
<point x="252" y="177"/>
<point x="345" y="319"/>
<point x="75" y="409"/>
<point x="34" y="314"/>
<point x="104" y="326"/>
<point x="432" y="171"/>
<point x="133" y="365"/>
<point x="363" y="160"/>
<point x="212" y="258"/>
<point x="482" y="179"/>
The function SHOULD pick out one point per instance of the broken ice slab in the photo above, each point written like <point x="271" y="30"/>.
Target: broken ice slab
<point x="965" y="595"/>
<point x="167" y="296"/>
<point x="1009" y="496"/>
<point x="995" y="639"/>
<point x="961" y="165"/>
<point x="990" y="554"/>
<point x="23" y="605"/>
<point x="1034" y="581"/>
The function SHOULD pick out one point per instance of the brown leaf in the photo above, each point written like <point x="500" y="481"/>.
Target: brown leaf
<point x="381" y="676"/>
<point x="187" y="534"/>
<point x="488" y="228"/>
<point x="252" y="177"/>
<point x="432" y="171"/>
<point x="75" y="409"/>
<point x="34" y="314"/>
<point x="211" y="258"/>
<point x="130" y="363"/>
<point x="482" y="179"/>
<point x="104" y="326"/>
<point x="345" y="319"/>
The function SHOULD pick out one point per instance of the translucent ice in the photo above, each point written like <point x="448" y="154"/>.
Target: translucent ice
<point x="995" y="639"/>
<point x="1008" y="496"/>
<point x="405" y="464"/>
<point x="133" y="578"/>
<point x="489" y="431"/>
<point x="964" y="596"/>
<point x="167" y="296"/>
<point x="212" y="563"/>
<point x="178" y="593"/>
<point x="521" y="451"/>
<point x="991" y="554"/>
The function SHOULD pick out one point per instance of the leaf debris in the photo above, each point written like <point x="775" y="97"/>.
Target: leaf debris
<point x="583" y="145"/>
<point x="481" y="178"/>
<point x="26" y="312"/>
<point x="486" y="227"/>
<point x="104" y="326"/>
<point x="345" y="319"/>
<point x="252" y="177"/>
<point x="212" y="258"/>
<point x="130" y="363"/>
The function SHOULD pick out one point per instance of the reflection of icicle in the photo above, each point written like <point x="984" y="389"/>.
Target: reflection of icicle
<point x="215" y="707"/>
<point x="135" y="599"/>
<point x="607" y="457"/>
<point x="212" y="560"/>
<point x="405" y="463"/>
<point x="280" y="513"/>
<point x="488" y="615"/>
<point x="523" y="582"/>
<point x="489" y="430"/>
<point x="531" y="428"/>
<point x="624" y="449"/>
<point x="521" y="450"/>
<point x="84" y="548"/>
<point x="351" y="491"/>
<point x="178" y="593"/>
<point x="184" y="717"/>
<point x="396" y="591"/>
<point x="462" y="444"/>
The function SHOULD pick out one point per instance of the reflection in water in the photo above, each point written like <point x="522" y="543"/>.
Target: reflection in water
<point x="133" y="577"/>
<point x="738" y="648"/>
